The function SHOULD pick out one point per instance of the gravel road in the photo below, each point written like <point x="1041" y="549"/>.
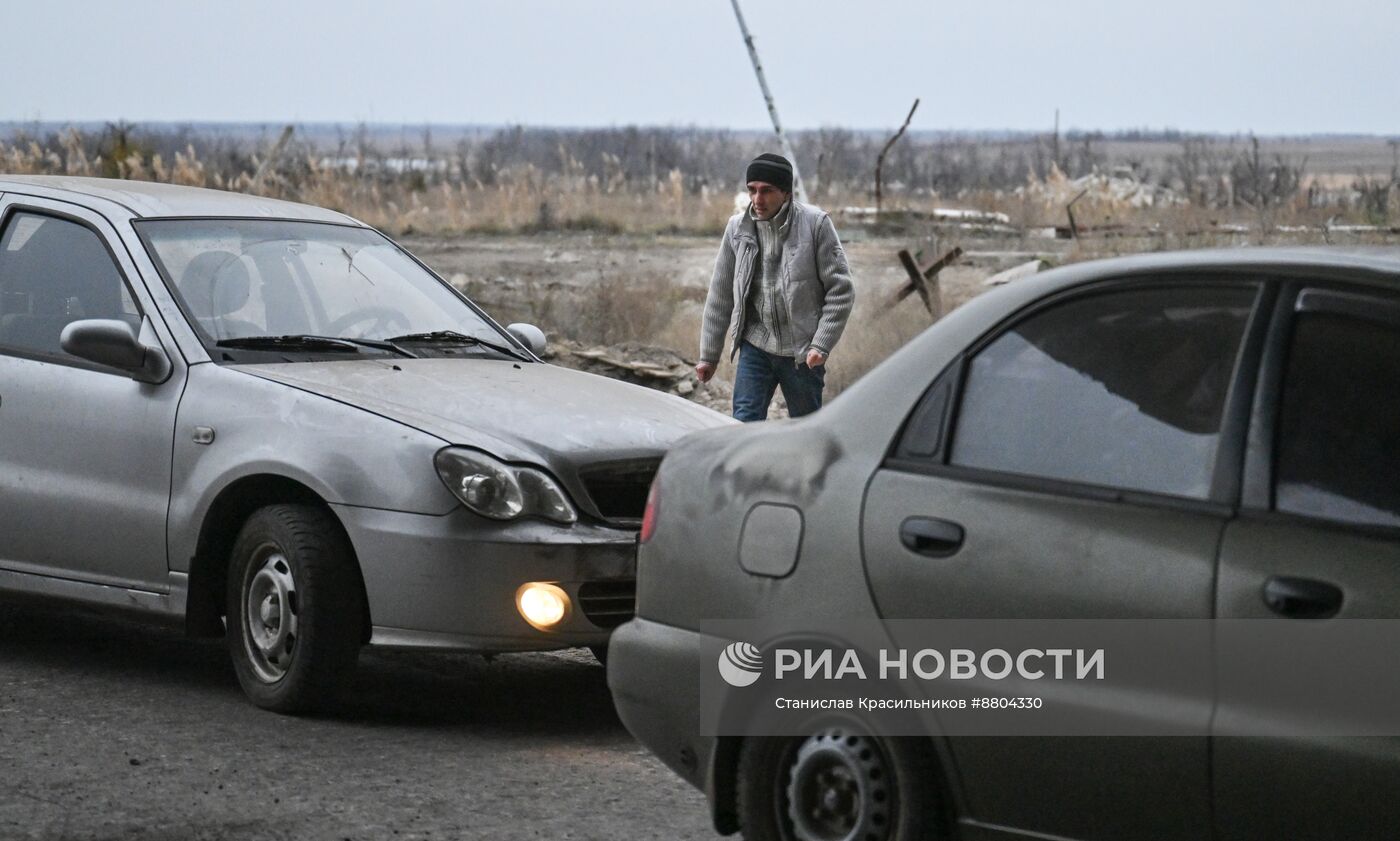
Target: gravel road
<point x="115" y="730"/>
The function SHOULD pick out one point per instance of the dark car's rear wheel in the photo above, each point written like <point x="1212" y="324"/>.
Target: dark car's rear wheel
<point x="294" y="608"/>
<point x="837" y="785"/>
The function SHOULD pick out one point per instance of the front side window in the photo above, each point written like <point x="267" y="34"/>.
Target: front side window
<point x="246" y="278"/>
<point x="1338" y="444"/>
<point x="1122" y="389"/>
<point x="53" y="272"/>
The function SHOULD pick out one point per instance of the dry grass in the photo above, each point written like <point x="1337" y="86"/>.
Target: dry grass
<point x="523" y="198"/>
<point x="520" y="202"/>
<point x="619" y="308"/>
<point x="872" y="335"/>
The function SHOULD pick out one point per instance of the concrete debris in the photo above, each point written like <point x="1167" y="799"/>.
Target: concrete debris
<point x="1350" y="229"/>
<point x="615" y="358"/>
<point x="1015" y="273"/>
<point x="1112" y="191"/>
<point x="938" y="214"/>
<point x="654" y="367"/>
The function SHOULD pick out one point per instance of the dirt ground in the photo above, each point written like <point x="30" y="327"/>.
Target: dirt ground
<point x="113" y="730"/>
<point x="506" y="273"/>
<point x="515" y="274"/>
<point x="607" y="290"/>
<point x="598" y="289"/>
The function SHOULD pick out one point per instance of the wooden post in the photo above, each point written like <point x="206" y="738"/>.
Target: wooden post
<point x="1069" y="211"/>
<point x="272" y="155"/>
<point x="880" y="161"/>
<point x="797" y="189"/>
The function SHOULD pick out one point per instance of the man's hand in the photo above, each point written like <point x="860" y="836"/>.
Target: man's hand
<point x="815" y="358"/>
<point x="704" y="370"/>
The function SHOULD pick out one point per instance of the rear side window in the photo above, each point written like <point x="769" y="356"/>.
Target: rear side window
<point x="1338" y="445"/>
<point x="1124" y="389"/>
<point x="52" y="272"/>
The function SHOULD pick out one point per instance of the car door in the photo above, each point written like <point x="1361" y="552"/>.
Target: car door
<point x="1316" y="546"/>
<point x="85" y="450"/>
<point x="1075" y="464"/>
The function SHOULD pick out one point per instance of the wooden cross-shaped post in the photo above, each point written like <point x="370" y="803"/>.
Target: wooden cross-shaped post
<point x="921" y="277"/>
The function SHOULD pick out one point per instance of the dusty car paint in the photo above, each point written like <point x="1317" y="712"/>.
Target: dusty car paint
<point x="828" y="467"/>
<point x="518" y="412"/>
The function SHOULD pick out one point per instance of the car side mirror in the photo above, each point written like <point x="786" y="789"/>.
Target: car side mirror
<point x="115" y="343"/>
<point x="530" y="336"/>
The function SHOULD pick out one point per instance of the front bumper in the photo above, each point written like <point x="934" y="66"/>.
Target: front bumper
<point x="654" y="675"/>
<point x="450" y="581"/>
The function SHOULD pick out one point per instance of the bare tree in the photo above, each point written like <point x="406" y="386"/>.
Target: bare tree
<point x="1264" y="185"/>
<point x="880" y="161"/>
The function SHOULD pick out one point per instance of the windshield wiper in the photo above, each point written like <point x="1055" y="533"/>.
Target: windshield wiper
<point x="381" y="344"/>
<point x="305" y="340"/>
<point x="452" y="337"/>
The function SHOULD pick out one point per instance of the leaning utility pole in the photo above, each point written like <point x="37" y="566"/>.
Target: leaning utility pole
<point x="772" y="109"/>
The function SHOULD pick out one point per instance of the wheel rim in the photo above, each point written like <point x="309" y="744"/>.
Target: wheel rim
<point x="838" y="789"/>
<point x="270" y="615"/>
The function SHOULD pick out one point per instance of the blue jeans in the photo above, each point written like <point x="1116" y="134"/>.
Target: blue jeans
<point x="760" y="373"/>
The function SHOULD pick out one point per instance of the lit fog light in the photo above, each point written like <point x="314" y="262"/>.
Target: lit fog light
<point x="542" y="605"/>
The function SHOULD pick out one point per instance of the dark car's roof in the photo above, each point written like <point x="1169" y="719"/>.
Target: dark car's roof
<point x="1321" y="259"/>
<point x="152" y="199"/>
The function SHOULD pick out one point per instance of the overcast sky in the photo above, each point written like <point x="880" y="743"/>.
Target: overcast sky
<point x="1207" y="65"/>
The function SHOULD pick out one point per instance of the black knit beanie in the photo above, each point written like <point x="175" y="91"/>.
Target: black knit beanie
<point x="772" y="169"/>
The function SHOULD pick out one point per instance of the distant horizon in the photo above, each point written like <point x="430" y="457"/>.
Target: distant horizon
<point x="1164" y="133"/>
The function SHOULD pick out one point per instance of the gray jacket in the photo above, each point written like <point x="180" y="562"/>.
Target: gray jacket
<point x="815" y="282"/>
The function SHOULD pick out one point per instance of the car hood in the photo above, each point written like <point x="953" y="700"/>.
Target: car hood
<point x="530" y="412"/>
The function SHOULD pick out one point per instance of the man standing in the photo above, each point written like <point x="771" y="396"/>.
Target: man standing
<point x="782" y="290"/>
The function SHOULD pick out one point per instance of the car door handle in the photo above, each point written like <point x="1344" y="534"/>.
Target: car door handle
<point x="934" y="538"/>
<point x="1302" y="598"/>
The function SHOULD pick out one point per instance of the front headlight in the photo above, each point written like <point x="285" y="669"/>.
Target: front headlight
<point x="502" y="491"/>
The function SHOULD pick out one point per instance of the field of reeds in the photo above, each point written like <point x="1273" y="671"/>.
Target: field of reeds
<point x="640" y="180"/>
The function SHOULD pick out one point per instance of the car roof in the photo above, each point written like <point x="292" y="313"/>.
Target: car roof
<point x="1323" y="260"/>
<point x="151" y="199"/>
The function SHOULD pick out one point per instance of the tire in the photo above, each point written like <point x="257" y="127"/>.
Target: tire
<point x="294" y="607"/>
<point x="858" y="787"/>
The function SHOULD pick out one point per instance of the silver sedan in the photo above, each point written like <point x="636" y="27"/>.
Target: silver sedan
<point x="236" y="413"/>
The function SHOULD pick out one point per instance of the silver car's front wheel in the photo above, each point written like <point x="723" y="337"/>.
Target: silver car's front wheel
<point x="270" y="605"/>
<point x="295" y="609"/>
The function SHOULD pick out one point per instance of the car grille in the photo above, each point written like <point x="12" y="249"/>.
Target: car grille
<point x="619" y="490"/>
<point x="608" y="604"/>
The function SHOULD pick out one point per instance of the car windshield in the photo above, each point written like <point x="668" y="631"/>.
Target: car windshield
<point x="242" y="279"/>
